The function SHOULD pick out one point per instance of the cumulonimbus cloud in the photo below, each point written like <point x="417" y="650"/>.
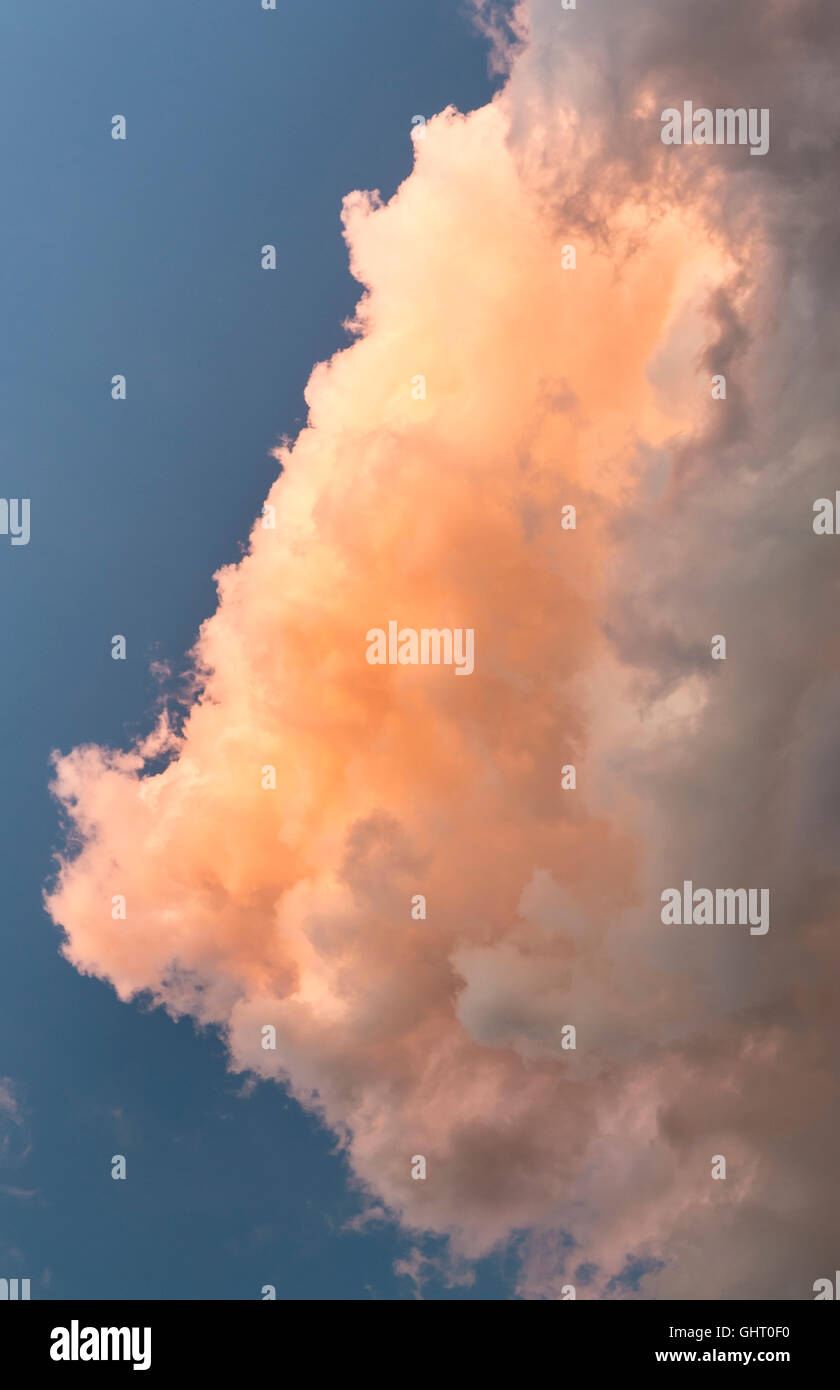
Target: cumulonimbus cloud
<point x="547" y="385"/>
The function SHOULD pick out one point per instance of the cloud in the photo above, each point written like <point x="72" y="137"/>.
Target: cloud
<point x="14" y="1130"/>
<point x="545" y="387"/>
<point x="420" y="1268"/>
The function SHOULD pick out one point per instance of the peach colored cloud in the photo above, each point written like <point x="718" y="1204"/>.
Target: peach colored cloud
<point x="247" y="907"/>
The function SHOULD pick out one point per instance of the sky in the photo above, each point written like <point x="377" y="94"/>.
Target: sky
<point x="534" y="374"/>
<point x="142" y="258"/>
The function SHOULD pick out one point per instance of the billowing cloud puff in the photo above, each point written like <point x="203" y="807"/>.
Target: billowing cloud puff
<point x="549" y="381"/>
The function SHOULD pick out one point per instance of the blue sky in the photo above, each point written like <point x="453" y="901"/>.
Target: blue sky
<point x="142" y="258"/>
